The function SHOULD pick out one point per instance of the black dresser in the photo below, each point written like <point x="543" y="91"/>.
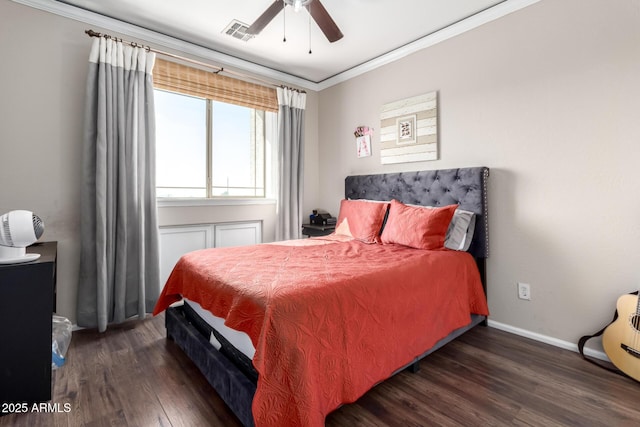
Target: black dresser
<point x="27" y="301"/>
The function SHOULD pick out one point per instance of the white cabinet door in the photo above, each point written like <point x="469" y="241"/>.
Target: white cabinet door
<point x="237" y="234"/>
<point x="177" y="241"/>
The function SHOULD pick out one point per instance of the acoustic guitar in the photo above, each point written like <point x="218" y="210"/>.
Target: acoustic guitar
<point x="621" y="339"/>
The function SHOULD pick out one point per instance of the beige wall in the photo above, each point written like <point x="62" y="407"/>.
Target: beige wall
<point x="42" y="86"/>
<point x="548" y="98"/>
<point x="42" y="81"/>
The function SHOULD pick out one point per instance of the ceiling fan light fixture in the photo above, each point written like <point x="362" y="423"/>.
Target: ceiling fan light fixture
<point x="298" y="4"/>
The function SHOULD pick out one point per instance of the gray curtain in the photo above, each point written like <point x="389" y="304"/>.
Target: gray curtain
<point x="291" y="164"/>
<point x="119" y="259"/>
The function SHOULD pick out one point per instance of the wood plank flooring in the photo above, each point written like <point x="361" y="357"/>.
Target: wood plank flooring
<point x="132" y="376"/>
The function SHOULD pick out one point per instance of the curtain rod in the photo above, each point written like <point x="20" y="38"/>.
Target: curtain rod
<point x="216" y="69"/>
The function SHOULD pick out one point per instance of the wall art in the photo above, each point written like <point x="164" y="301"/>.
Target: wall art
<point x="363" y="141"/>
<point x="409" y="130"/>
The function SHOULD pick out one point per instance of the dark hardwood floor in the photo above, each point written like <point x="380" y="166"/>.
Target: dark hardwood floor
<point x="132" y="376"/>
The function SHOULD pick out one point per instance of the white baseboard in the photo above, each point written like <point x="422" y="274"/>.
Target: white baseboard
<point x="547" y="339"/>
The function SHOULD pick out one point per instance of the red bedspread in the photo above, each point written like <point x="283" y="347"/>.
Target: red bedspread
<point x="328" y="322"/>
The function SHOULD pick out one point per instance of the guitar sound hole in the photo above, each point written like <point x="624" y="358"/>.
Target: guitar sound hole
<point x="635" y="322"/>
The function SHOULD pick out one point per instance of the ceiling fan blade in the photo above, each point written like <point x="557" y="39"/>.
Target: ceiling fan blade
<point x="266" y="17"/>
<point x="324" y="21"/>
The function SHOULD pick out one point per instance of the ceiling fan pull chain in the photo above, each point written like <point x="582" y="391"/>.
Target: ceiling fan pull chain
<point x="309" y="29"/>
<point x="284" y="22"/>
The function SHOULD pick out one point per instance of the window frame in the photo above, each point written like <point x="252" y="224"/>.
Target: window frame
<point x="210" y="198"/>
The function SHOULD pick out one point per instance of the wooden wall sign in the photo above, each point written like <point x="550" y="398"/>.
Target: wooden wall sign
<point x="409" y="130"/>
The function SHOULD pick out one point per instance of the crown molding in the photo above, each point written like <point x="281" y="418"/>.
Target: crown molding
<point x="491" y="14"/>
<point x="163" y="41"/>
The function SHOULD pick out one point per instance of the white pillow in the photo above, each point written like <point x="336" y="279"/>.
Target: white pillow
<point x="460" y="231"/>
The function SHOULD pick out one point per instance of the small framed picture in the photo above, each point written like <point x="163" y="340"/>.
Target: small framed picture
<point x="363" y="145"/>
<point x="406" y="130"/>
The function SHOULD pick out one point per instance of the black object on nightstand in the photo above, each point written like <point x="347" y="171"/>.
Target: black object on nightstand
<point x="26" y="307"/>
<point x="314" y="230"/>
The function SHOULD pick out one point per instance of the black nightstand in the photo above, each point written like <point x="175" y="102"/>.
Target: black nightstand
<point x="313" y="230"/>
<point x="26" y="304"/>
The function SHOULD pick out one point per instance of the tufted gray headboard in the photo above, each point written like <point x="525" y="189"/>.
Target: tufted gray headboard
<point x="466" y="187"/>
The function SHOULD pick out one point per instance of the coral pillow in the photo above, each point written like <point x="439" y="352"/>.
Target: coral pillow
<point x="361" y="219"/>
<point x="417" y="227"/>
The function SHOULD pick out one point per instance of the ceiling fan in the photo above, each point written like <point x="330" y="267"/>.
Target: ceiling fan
<point x="315" y="8"/>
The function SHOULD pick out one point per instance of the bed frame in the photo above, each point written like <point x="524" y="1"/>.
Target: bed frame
<point x="466" y="187"/>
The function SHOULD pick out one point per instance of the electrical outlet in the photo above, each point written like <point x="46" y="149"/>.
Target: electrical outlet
<point x="524" y="291"/>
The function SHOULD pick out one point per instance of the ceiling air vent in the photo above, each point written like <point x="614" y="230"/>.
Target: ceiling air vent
<point x="237" y="30"/>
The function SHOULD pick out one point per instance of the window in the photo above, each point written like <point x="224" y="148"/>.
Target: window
<point x="208" y="148"/>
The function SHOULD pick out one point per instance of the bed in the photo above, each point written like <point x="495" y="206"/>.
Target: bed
<point x="328" y="318"/>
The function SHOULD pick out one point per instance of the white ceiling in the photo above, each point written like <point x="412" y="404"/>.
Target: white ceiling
<point x="373" y="29"/>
